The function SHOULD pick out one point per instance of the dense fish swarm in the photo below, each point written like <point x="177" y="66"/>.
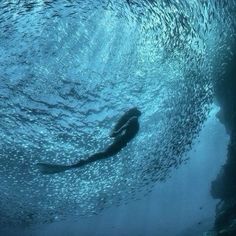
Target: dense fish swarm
<point x="68" y="69"/>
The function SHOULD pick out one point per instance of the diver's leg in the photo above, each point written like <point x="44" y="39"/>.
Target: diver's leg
<point x="47" y="169"/>
<point x="115" y="147"/>
<point x="92" y="158"/>
<point x="111" y="150"/>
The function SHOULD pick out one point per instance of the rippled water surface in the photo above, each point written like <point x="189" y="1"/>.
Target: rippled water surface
<point x="68" y="69"/>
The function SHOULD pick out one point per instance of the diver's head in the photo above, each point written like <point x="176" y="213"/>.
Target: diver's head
<point x="135" y="111"/>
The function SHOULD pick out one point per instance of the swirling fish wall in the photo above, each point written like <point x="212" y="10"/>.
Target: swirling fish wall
<point x="67" y="72"/>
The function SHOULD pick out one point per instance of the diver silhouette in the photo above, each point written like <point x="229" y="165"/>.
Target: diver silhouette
<point x="124" y="131"/>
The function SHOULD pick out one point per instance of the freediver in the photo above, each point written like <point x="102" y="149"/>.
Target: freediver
<point x="124" y="131"/>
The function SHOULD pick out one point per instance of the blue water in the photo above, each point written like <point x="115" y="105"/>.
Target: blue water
<point x="68" y="70"/>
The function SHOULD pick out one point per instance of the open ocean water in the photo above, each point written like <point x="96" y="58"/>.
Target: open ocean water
<point x="68" y="70"/>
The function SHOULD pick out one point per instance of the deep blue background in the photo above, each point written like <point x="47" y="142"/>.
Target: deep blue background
<point x="68" y="70"/>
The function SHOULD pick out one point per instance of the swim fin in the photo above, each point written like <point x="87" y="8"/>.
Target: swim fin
<point x="48" y="169"/>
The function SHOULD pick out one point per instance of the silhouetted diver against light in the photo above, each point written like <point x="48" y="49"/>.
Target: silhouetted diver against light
<point x="123" y="120"/>
<point x="124" y="131"/>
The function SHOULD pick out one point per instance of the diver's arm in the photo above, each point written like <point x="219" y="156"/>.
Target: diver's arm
<point x="118" y="128"/>
<point x="121" y="122"/>
<point x="124" y="127"/>
<point x="119" y="131"/>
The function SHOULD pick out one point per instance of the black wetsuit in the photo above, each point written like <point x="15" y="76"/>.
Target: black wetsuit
<point x="128" y="132"/>
<point x="123" y="121"/>
<point x="124" y="131"/>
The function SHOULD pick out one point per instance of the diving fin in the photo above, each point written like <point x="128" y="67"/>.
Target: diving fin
<point x="48" y="169"/>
